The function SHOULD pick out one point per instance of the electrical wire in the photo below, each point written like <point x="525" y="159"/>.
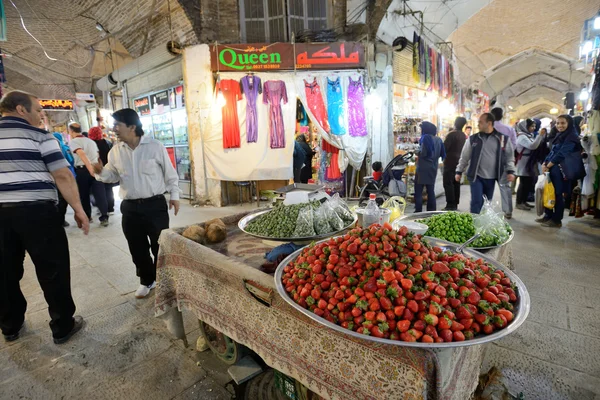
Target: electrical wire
<point x="42" y="46"/>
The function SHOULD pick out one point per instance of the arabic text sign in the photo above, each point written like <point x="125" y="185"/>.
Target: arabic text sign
<point x="280" y="56"/>
<point x="142" y="105"/>
<point x="59" y="105"/>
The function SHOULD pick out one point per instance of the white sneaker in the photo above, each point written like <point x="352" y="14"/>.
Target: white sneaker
<point x="143" y="290"/>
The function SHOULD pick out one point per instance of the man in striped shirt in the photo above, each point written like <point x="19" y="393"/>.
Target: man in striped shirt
<point x="31" y="168"/>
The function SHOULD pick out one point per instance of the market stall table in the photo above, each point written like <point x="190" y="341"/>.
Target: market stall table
<point x="209" y="281"/>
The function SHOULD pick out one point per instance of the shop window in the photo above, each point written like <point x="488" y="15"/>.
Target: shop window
<point x="275" y="20"/>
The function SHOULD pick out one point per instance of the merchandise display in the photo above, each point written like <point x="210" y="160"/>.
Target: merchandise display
<point x="335" y="107"/>
<point x="231" y="127"/>
<point x="274" y="93"/>
<point x="357" y="122"/>
<point x="314" y="98"/>
<point x="251" y="88"/>
<point x="394" y="285"/>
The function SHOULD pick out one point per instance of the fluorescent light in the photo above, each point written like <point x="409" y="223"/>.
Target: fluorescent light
<point x="597" y="23"/>
<point x="554" y="110"/>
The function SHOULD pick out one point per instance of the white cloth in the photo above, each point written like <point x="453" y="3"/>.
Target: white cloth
<point x="144" y="172"/>
<point x="89" y="147"/>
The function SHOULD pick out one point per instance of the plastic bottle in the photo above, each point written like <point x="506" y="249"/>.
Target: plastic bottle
<point x="372" y="213"/>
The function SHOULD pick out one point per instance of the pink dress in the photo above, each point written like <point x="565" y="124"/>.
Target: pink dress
<point x="273" y="93"/>
<point x="314" y="98"/>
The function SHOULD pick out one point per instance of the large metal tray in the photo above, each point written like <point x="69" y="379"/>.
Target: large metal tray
<point x="243" y="223"/>
<point x="427" y="214"/>
<point x="521" y="310"/>
<point x="299" y="187"/>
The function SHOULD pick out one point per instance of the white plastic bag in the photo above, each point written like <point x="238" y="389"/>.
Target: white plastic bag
<point x="491" y="226"/>
<point x="305" y="223"/>
<point x="539" y="194"/>
<point x="341" y="208"/>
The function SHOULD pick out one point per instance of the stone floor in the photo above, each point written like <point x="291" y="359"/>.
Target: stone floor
<point x="124" y="352"/>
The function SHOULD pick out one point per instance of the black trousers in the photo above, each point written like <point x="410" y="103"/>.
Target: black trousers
<point x="451" y="188"/>
<point x="297" y="174"/>
<point x="62" y="207"/>
<point x="526" y="186"/>
<point x="38" y="230"/>
<point x="143" y="220"/>
<point x="87" y="184"/>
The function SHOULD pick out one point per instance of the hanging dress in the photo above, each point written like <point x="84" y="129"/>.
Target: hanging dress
<point x="335" y="107"/>
<point x="357" y="122"/>
<point x="332" y="170"/>
<point x="231" y="125"/>
<point x="314" y="98"/>
<point x="274" y="92"/>
<point x="251" y="87"/>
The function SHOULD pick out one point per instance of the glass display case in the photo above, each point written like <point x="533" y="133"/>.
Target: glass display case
<point x="146" y="121"/>
<point x="182" y="157"/>
<point x="180" y="126"/>
<point x="163" y="129"/>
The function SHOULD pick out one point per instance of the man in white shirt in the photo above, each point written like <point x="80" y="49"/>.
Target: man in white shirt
<point x="85" y="155"/>
<point x="143" y="168"/>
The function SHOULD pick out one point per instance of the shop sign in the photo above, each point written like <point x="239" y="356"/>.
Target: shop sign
<point x="57" y="105"/>
<point x="142" y="105"/>
<point x="85" y="96"/>
<point x="280" y="56"/>
<point x="176" y="99"/>
<point x="160" y="102"/>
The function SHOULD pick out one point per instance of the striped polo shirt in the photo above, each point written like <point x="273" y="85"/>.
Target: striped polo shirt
<point x="27" y="156"/>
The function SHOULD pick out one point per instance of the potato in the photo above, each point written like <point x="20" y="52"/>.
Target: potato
<point x="216" y="233"/>
<point x="195" y="233"/>
<point x="216" y="221"/>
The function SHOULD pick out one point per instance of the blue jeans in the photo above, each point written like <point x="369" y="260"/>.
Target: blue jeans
<point x="560" y="188"/>
<point x="419" y="197"/>
<point x="479" y="188"/>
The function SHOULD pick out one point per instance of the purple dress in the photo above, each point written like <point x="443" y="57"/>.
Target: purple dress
<point x="251" y="87"/>
<point x="357" y="122"/>
<point x="273" y="93"/>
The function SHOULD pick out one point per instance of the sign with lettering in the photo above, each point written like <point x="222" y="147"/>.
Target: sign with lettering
<point x="90" y="97"/>
<point x="160" y="102"/>
<point x="142" y="105"/>
<point x="57" y="105"/>
<point x="280" y="56"/>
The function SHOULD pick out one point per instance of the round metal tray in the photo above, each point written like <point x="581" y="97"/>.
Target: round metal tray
<point x="427" y="214"/>
<point x="521" y="308"/>
<point x="243" y="223"/>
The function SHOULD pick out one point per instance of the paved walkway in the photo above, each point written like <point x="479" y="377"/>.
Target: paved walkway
<point x="124" y="352"/>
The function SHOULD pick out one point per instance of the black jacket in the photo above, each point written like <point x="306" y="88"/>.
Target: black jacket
<point x="453" y="144"/>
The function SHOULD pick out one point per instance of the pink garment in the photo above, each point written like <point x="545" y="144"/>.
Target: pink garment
<point x="273" y="93"/>
<point x="357" y="121"/>
<point x="314" y="98"/>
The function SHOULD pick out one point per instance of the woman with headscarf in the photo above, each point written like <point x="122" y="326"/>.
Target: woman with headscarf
<point x="306" y="171"/>
<point x="564" y="164"/>
<point x="104" y="147"/>
<point x="527" y="167"/>
<point x="432" y="148"/>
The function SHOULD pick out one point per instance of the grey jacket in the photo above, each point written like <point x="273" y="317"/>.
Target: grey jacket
<point x="470" y="158"/>
<point x="525" y="145"/>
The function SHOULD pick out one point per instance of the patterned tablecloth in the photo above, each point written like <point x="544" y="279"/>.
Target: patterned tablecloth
<point x="209" y="282"/>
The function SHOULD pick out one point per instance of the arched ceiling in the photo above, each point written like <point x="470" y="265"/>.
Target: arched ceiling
<point x="523" y="52"/>
<point x="68" y="33"/>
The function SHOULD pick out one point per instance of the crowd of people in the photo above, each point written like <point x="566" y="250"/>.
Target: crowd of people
<point x="40" y="175"/>
<point x="500" y="154"/>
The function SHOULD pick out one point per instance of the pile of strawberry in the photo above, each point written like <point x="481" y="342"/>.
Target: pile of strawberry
<point x="393" y="284"/>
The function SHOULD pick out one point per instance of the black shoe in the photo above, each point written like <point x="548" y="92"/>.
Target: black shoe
<point x="529" y="205"/>
<point x="508" y="215"/>
<point x="542" y="220"/>
<point x="449" y="209"/>
<point x="14" y="336"/>
<point x="552" y="224"/>
<point x="66" y="224"/>
<point x="523" y="207"/>
<point x="78" y="323"/>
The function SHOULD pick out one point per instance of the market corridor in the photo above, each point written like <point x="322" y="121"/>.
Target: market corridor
<point x="124" y="352"/>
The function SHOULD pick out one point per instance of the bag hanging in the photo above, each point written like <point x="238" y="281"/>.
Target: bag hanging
<point x="549" y="195"/>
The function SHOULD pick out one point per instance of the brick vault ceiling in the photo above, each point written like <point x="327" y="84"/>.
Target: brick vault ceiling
<point x="522" y="51"/>
<point x="67" y="31"/>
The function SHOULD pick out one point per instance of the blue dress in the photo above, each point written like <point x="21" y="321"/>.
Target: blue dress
<point x="335" y="107"/>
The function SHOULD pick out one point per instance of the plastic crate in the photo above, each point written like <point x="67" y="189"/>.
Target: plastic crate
<point x="286" y="385"/>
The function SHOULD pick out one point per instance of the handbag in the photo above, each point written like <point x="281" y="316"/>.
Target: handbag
<point x="572" y="167"/>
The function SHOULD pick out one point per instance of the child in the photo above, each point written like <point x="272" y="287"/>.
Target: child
<point x="377" y="170"/>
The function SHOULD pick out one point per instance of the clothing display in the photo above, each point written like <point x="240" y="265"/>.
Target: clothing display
<point x="357" y="122"/>
<point x="332" y="170"/>
<point x="274" y="92"/>
<point x="316" y="104"/>
<point x="251" y="88"/>
<point x="231" y="126"/>
<point x="301" y="115"/>
<point x="335" y="107"/>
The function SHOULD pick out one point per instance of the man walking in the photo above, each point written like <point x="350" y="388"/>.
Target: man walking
<point x="32" y="168"/>
<point x="85" y="153"/>
<point x="505" y="186"/>
<point x="454" y="143"/>
<point x="485" y="157"/>
<point x="143" y="167"/>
